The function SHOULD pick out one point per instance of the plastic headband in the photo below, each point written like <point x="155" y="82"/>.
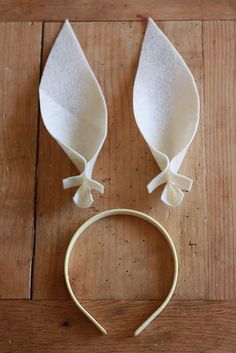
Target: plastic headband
<point x="109" y="213"/>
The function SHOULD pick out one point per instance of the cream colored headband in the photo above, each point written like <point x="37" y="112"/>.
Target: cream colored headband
<point x="165" y="102"/>
<point x="109" y="213"/>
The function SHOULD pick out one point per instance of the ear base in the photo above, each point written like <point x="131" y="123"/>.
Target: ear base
<point x="73" y="108"/>
<point x="166" y="108"/>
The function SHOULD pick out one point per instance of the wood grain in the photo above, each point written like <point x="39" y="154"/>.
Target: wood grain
<point x="187" y="223"/>
<point x="125" y="166"/>
<point x="103" y="10"/>
<point x="220" y="94"/>
<point x="121" y="258"/>
<point x="19" y="75"/>
<point x="58" y="326"/>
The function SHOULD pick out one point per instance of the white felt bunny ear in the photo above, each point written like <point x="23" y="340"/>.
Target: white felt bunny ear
<point x="166" y="108"/>
<point x="74" y="111"/>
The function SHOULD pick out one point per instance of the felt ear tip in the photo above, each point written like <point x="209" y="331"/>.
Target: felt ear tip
<point x="67" y="24"/>
<point x="67" y="21"/>
<point x="151" y="22"/>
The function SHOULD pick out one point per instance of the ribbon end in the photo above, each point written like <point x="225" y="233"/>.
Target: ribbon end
<point x="182" y="182"/>
<point x="172" y="196"/>
<point x="83" y="197"/>
<point x="158" y="180"/>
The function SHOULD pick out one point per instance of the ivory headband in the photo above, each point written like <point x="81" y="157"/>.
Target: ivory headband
<point x="108" y="213"/>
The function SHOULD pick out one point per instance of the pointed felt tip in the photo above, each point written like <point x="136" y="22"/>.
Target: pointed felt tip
<point x="67" y="25"/>
<point x="150" y="19"/>
<point x="152" y="26"/>
<point x="151" y="22"/>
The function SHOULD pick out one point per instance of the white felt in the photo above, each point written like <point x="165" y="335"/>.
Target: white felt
<point x="166" y="108"/>
<point x="74" y="111"/>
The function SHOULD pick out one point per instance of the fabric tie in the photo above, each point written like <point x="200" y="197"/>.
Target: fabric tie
<point x="83" y="197"/>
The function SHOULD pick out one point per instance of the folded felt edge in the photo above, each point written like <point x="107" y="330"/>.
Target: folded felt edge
<point x="162" y="178"/>
<point x="83" y="197"/>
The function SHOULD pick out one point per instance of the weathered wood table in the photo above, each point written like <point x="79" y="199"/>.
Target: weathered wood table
<point x="122" y="269"/>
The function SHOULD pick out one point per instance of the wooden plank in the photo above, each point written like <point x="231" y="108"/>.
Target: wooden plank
<point x="19" y="75"/>
<point x="93" y="10"/>
<point x="187" y="223"/>
<point x="58" y="326"/>
<point x="220" y="93"/>
<point x="125" y="168"/>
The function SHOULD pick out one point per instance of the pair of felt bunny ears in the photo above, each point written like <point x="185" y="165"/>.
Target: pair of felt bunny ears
<point x="165" y="103"/>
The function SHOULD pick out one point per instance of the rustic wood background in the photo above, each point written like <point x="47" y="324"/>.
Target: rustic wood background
<point x="123" y="269"/>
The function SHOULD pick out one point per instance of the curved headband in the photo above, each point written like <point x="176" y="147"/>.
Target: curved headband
<point x="109" y="213"/>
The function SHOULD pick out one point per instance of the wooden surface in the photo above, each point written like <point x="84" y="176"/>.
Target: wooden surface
<point x="57" y="326"/>
<point x="122" y="267"/>
<point x="19" y="78"/>
<point x="220" y="133"/>
<point x="112" y="50"/>
<point x="94" y="10"/>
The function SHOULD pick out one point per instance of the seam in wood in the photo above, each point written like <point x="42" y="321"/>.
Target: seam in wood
<point x="36" y="171"/>
<point x="133" y="21"/>
<point x="120" y="20"/>
<point x="204" y="112"/>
